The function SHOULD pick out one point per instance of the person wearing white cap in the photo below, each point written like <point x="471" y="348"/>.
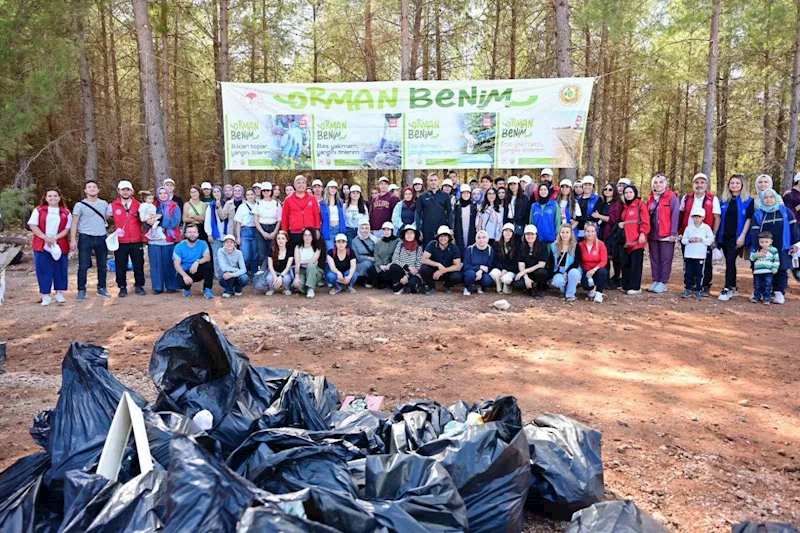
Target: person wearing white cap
<point x="125" y="212"/>
<point x="478" y="260"/>
<point x="393" y="189"/>
<point x="697" y="237"/>
<point x="710" y="203"/>
<point x="406" y="262"/>
<point x="621" y="184"/>
<point x="588" y="201"/>
<point x="88" y="238"/>
<point x="464" y="217"/>
<point x="341" y="266"/>
<point x="355" y="208"/>
<point x="169" y="183"/>
<point x="447" y="186"/>
<point x="206" y="188"/>
<point x="332" y="214"/>
<point x="50" y="223"/>
<point x="505" y="265"/>
<point x="433" y="210"/>
<point x="300" y="211"/>
<point x="267" y="217"/>
<point x="532" y="263"/>
<point x="516" y="206"/>
<point x="384" y="250"/>
<point x="577" y="188"/>
<point x="381" y="207"/>
<point x="532" y="189"/>
<point x="567" y="204"/>
<point x="441" y="261"/>
<point x="418" y="185"/>
<point x="231" y="267"/>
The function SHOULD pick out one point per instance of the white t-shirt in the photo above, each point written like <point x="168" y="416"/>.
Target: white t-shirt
<point x="334" y="214"/>
<point x="52" y="222"/>
<point x="269" y="211"/>
<point x="244" y="215"/>
<point x="576" y="211"/>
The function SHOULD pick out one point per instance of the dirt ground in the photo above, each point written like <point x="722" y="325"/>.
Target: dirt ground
<point x="698" y="402"/>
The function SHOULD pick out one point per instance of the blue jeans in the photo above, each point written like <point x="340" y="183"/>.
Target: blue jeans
<point x="50" y="274"/>
<point x="215" y="246"/>
<point x="486" y="280"/>
<point x="269" y="279"/>
<point x="351" y="234"/>
<point x="329" y="244"/>
<point x="233" y="285"/>
<point x="88" y="245"/>
<point x="567" y="283"/>
<point x="162" y="269"/>
<point x="763" y="286"/>
<point x="249" y="248"/>
<point x="330" y="277"/>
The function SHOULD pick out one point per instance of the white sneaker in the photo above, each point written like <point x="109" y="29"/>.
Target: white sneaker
<point x="598" y="298"/>
<point x="480" y="290"/>
<point x="237" y="293"/>
<point x="269" y="292"/>
<point x="777" y="297"/>
<point x="499" y="289"/>
<point x="333" y="291"/>
<point x="734" y="292"/>
<point x="634" y="292"/>
<point x="310" y="293"/>
<point x="467" y="293"/>
<point x="351" y="290"/>
<point x="662" y="288"/>
<point x="725" y="295"/>
<point x="60" y="298"/>
<point x="506" y="289"/>
<point x="46" y="300"/>
<point x="653" y="287"/>
<point x="591" y="294"/>
<point x="287" y="292"/>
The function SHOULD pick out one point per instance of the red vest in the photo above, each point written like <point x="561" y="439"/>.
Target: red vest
<point x="664" y="213"/>
<point x="708" y="205"/>
<point x="63" y="243"/>
<point x="127" y="221"/>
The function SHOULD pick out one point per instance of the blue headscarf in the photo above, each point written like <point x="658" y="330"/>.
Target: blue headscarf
<point x="770" y="208"/>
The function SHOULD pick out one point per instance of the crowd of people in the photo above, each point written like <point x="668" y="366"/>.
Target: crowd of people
<point x="510" y="233"/>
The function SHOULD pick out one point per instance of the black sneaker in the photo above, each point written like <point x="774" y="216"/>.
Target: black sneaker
<point x="796" y="274"/>
<point x="707" y="292"/>
<point x="123" y="292"/>
<point x="686" y="293"/>
<point x="448" y="290"/>
<point x="140" y="291"/>
<point x="537" y="295"/>
<point x="430" y="292"/>
<point x="103" y="293"/>
<point x="81" y="296"/>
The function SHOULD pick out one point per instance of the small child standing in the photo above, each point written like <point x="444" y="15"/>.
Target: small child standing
<point x="697" y="237"/>
<point x="765" y="265"/>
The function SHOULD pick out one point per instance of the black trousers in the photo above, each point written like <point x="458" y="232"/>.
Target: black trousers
<point x="539" y="278"/>
<point x="397" y="273"/>
<point x="632" y="273"/>
<point x="693" y="274"/>
<point x="205" y="273"/>
<point x="708" y="268"/>
<point x="295" y="240"/>
<point x="449" y="279"/>
<point x="134" y="251"/>
<point x="731" y="252"/>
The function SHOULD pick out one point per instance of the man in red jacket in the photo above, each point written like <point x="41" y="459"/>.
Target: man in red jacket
<point x="125" y="212"/>
<point x="300" y="211"/>
<point x="713" y="212"/>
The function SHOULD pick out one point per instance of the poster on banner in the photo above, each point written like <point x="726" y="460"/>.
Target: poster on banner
<point x="406" y="125"/>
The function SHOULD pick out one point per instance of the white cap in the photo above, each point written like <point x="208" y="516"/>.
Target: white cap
<point x="508" y="225"/>
<point x="566" y="182"/>
<point x="548" y="171"/>
<point x="383" y="178"/>
<point x="125" y="184"/>
<point x="229" y="237"/>
<point x="169" y="180"/>
<point x="55" y="251"/>
<point x="578" y="182"/>
<point x="625" y="181"/>
<point x="417" y="180"/>
<point x="513" y="179"/>
<point x="266" y="186"/>
<point x="443" y="230"/>
<point x="393" y="187"/>
<point x="465" y="188"/>
<point x="796" y="178"/>
<point x="355" y="188"/>
<point x="340" y="237"/>
<point x="299" y="176"/>
<point x="588" y="179"/>
<point x="700" y="175"/>
<point x="332" y="183"/>
<point x="316" y="182"/>
<point x="256" y="184"/>
<point x="698" y="211"/>
<point x="530" y="228"/>
<point x="447" y="181"/>
<point x="388" y="225"/>
<point x="526" y="179"/>
<point x="205" y="185"/>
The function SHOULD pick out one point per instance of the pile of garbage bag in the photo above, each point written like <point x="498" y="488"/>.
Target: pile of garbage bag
<point x="241" y="448"/>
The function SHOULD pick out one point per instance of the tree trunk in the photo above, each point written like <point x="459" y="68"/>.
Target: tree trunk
<point x="223" y="76"/>
<point x="587" y="51"/>
<point x="253" y="44"/>
<point x="176" y="128"/>
<point x="605" y="121"/>
<point x="616" y="124"/>
<point x="780" y="133"/>
<point x="722" y="128"/>
<point x="89" y="132"/>
<point x="164" y="14"/>
<point x="189" y="135"/>
<point x="794" y="111"/>
<point x="415" y="37"/>
<point x="711" y="91"/>
<point x="147" y="66"/>
<point x="685" y="134"/>
<point x="144" y="178"/>
<point x="495" y="35"/>
<point x="626" y="131"/>
<point x="426" y="45"/>
<point x="115" y="81"/>
<point x="591" y="128"/>
<point x="107" y="112"/>
<point x="564" y="60"/>
<point x="767" y="148"/>
<point x="405" y="63"/>
<point x="314" y="42"/>
<point x="264" y="37"/>
<point x="673" y="166"/>
<point x="369" y="50"/>
<point x="438" y="37"/>
<point x="512" y="53"/>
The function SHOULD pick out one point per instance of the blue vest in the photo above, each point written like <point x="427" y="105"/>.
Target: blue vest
<point x="593" y="199"/>
<point x="544" y="218"/>
<point x="786" y="241"/>
<point x="741" y="209"/>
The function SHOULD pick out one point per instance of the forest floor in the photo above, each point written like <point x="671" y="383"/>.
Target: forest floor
<point x="698" y="402"/>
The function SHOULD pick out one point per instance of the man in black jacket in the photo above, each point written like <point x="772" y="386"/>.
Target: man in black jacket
<point x="433" y="210"/>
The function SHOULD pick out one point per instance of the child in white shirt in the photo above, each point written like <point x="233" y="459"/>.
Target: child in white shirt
<point x="697" y="237"/>
<point x="146" y="210"/>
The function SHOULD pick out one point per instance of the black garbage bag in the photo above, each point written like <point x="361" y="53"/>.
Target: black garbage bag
<point x="419" y="486"/>
<point x="271" y="519"/>
<point x="491" y="469"/>
<point x="281" y="462"/>
<point x="40" y="431"/>
<point x="204" y="494"/>
<point x="764" y="527"/>
<point x="613" y="517"/>
<point x="194" y="367"/>
<point x="85" y="495"/>
<point x="566" y="466"/>
<point x="86" y="405"/>
<point x="20" y="485"/>
<point x="503" y="409"/>
<point x="459" y="410"/>
<point x="138" y="505"/>
<point x="363" y="429"/>
<point x="163" y="427"/>
<point x="414" y="424"/>
<point x="305" y="402"/>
